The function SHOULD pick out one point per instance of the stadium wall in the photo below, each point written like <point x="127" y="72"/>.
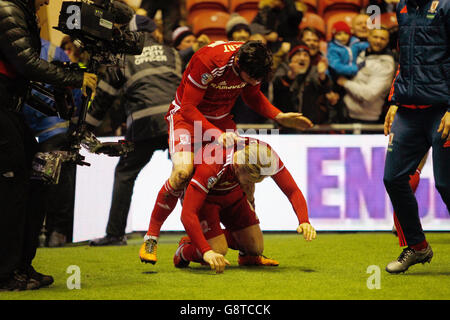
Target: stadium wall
<point x="341" y="177"/>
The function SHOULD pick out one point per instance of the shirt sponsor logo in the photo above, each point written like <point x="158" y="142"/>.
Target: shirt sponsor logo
<point x="220" y="86"/>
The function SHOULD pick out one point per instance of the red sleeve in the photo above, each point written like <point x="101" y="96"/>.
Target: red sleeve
<point x="195" y="87"/>
<point x="257" y="101"/>
<point x="287" y="184"/>
<point x="194" y="198"/>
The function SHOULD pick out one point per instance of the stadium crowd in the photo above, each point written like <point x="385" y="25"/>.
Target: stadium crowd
<point x="327" y="63"/>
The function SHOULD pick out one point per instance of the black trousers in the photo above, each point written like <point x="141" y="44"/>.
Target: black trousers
<point x="413" y="133"/>
<point x="125" y="176"/>
<point x="17" y="220"/>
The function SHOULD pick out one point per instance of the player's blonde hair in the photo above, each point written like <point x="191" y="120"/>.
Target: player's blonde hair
<point x="258" y="160"/>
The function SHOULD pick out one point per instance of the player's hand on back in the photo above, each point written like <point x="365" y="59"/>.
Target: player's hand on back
<point x="293" y="120"/>
<point x="228" y="139"/>
<point x="215" y="260"/>
<point x="308" y="231"/>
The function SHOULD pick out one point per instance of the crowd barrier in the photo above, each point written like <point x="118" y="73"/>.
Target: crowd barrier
<point x="341" y="176"/>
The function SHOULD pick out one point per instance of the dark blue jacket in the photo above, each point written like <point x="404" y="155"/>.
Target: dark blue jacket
<point x="42" y="125"/>
<point x="342" y="59"/>
<point x="424" y="41"/>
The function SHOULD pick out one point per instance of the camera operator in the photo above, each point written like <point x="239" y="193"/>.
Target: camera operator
<point x="147" y="85"/>
<point x="20" y="63"/>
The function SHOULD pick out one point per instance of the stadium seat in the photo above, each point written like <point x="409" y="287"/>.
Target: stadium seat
<point x="248" y="14"/>
<point x="221" y="5"/>
<point x="327" y="7"/>
<point x="212" y="23"/>
<point x="237" y="5"/>
<point x="193" y="7"/>
<point x="313" y="20"/>
<point x="246" y="8"/>
<point x="346" y="16"/>
<point x="312" y="5"/>
<point x="389" y="20"/>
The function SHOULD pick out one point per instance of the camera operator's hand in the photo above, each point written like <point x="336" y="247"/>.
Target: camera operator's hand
<point x="89" y="81"/>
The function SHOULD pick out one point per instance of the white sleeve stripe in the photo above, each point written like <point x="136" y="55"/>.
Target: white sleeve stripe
<point x="279" y="170"/>
<point x="200" y="185"/>
<point x="196" y="83"/>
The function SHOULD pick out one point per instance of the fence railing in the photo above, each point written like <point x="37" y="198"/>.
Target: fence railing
<point x="354" y="128"/>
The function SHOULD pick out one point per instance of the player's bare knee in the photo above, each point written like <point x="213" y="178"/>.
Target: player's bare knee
<point x="180" y="177"/>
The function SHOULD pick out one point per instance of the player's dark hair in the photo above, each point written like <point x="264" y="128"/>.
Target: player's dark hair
<point x="255" y="59"/>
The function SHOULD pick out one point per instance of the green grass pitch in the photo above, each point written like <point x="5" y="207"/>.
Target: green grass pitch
<point x="334" y="266"/>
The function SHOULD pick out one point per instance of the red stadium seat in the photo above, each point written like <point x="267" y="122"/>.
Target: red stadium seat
<point x="248" y="14"/>
<point x="212" y="23"/>
<point x="327" y="6"/>
<point x="221" y="5"/>
<point x="346" y="16"/>
<point x="237" y="5"/>
<point x="246" y="8"/>
<point x="389" y="20"/>
<point x="312" y="5"/>
<point x="193" y="7"/>
<point x="313" y="20"/>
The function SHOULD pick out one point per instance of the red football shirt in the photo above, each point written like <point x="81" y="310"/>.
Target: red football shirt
<point x="214" y="175"/>
<point x="210" y="87"/>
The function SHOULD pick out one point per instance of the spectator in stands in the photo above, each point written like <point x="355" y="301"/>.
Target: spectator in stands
<point x="367" y="91"/>
<point x="278" y="21"/>
<point x="359" y="27"/>
<point x="184" y="40"/>
<point x="237" y="28"/>
<point x="301" y="87"/>
<point x="311" y="37"/>
<point x="171" y="15"/>
<point x="257" y="37"/>
<point x="341" y="54"/>
<point x="385" y="5"/>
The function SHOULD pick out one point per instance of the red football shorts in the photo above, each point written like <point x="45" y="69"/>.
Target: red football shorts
<point x="186" y="136"/>
<point x="232" y="210"/>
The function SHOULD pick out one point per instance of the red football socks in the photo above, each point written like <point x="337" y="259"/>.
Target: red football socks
<point x="420" y="246"/>
<point x="165" y="203"/>
<point x="190" y="253"/>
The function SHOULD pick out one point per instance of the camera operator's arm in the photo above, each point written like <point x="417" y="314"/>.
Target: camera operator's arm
<point x="109" y="88"/>
<point x="18" y="47"/>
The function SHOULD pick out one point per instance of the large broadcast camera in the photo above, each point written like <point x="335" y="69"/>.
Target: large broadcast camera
<point x="99" y="28"/>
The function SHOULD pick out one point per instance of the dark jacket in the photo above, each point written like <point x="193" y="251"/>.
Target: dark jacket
<point x="20" y="47"/>
<point x="283" y="21"/>
<point x="424" y="41"/>
<point x="147" y="86"/>
<point x="305" y="94"/>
